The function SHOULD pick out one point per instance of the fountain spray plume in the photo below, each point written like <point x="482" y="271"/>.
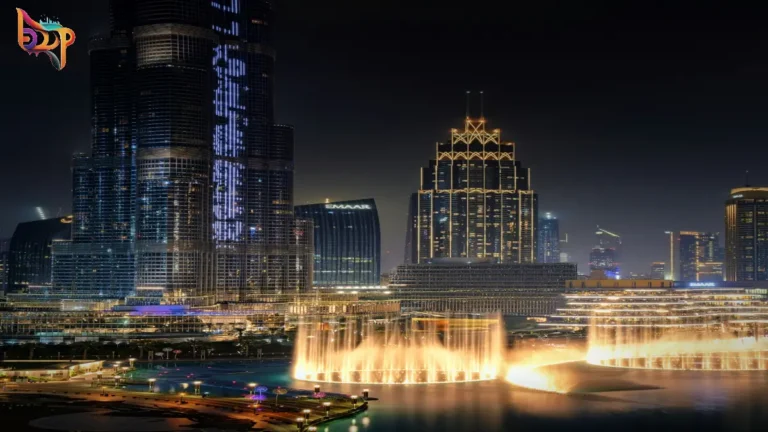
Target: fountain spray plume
<point x="398" y="349"/>
<point x="537" y="369"/>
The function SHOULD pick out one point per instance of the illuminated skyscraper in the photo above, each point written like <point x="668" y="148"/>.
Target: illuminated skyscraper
<point x="100" y="258"/>
<point x="476" y="201"/>
<point x="699" y="256"/>
<point x="29" y="255"/>
<point x="746" y="234"/>
<point x="347" y="244"/>
<point x="549" y="239"/>
<point x="606" y="255"/>
<point x="184" y="91"/>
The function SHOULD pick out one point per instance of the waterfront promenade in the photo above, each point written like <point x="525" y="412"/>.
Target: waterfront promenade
<point x="266" y="414"/>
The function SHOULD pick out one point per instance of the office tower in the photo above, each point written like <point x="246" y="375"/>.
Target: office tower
<point x="746" y="234"/>
<point x="606" y="255"/>
<point x="699" y="254"/>
<point x="658" y="270"/>
<point x="347" y="241"/>
<point x="475" y="200"/>
<point x="549" y="239"/>
<point x="183" y="113"/>
<point x="29" y="254"/>
<point x="565" y="257"/>
<point x="99" y="260"/>
<point x="412" y="230"/>
<point x="5" y="245"/>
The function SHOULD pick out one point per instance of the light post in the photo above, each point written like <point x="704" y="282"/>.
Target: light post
<point x="103" y="390"/>
<point x="131" y="361"/>
<point x="117" y="380"/>
<point x="151" y="382"/>
<point x="197" y="386"/>
<point x="300" y="423"/>
<point x="184" y="387"/>
<point x="354" y="401"/>
<point x="312" y="428"/>
<point x="306" y="414"/>
<point x="365" y="394"/>
<point x="117" y="366"/>
<point x="317" y="388"/>
<point x="98" y="377"/>
<point x="252" y="386"/>
<point x="181" y="397"/>
<point x="327" y="406"/>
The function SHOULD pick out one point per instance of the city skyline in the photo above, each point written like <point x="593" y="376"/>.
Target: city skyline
<point x="564" y="123"/>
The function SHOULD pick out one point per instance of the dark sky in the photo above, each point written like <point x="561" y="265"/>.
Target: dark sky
<point x="636" y="118"/>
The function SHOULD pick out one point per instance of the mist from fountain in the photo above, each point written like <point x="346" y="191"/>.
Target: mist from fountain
<point x="398" y="349"/>
<point x="651" y="347"/>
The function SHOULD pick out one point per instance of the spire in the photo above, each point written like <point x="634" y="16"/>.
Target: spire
<point x="481" y="104"/>
<point x="466" y="110"/>
<point x="746" y="178"/>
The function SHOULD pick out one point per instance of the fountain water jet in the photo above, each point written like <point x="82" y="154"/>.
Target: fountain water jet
<point x="398" y="349"/>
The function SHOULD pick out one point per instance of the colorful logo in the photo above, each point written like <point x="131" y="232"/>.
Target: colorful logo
<point x="44" y="37"/>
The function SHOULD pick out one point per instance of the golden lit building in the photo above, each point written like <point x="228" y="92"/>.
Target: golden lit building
<point x="746" y="234"/>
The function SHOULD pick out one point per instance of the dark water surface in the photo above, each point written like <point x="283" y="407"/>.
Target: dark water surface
<point x="610" y="400"/>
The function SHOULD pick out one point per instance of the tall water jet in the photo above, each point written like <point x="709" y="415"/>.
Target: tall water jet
<point x="399" y="349"/>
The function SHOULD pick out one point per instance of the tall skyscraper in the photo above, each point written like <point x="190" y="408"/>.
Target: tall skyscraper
<point x="746" y="234"/>
<point x="549" y="239"/>
<point x="658" y="270"/>
<point x="347" y="242"/>
<point x="699" y="254"/>
<point x="183" y="111"/>
<point x="5" y="245"/>
<point x="476" y="201"/>
<point x="606" y="255"/>
<point x="412" y="231"/>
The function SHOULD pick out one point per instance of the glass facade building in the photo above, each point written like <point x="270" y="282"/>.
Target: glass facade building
<point x="746" y="234"/>
<point x="606" y="255"/>
<point x="188" y="192"/>
<point x="347" y="242"/>
<point x="549" y="239"/>
<point x="476" y="201"/>
<point x="699" y="254"/>
<point x="29" y="255"/>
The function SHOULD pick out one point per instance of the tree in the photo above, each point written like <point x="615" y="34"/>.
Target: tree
<point x="176" y="353"/>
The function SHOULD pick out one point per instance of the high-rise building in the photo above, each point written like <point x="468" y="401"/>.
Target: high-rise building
<point x="347" y="242"/>
<point x="746" y="234"/>
<point x="549" y="239"/>
<point x="658" y="271"/>
<point x="5" y="245"/>
<point x="29" y="255"/>
<point x="100" y="258"/>
<point x="197" y="179"/>
<point x="476" y="201"/>
<point x="699" y="254"/>
<point x="412" y="231"/>
<point x="606" y="255"/>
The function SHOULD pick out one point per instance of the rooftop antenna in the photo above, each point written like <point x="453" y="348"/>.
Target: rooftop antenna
<point x="746" y="178"/>
<point x="467" y="105"/>
<point x="481" y="104"/>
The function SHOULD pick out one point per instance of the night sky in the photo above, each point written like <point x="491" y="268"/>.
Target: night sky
<point x="637" y="119"/>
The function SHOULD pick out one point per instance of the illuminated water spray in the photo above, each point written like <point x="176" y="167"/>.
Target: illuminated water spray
<point x="399" y="349"/>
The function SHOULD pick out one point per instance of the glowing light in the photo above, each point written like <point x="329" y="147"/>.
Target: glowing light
<point x="399" y="350"/>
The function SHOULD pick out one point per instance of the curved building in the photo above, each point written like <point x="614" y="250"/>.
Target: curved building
<point x="746" y="234"/>
<point x="347" y="242"/>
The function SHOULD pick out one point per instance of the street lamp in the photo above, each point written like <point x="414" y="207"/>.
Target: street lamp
<point x="365" y="394"/>
<point x="317" y="388"/>
<point x="252" y="386"/>
<point x="300" y="423"/>
<point x="117" y="380"/>
<point x="181" y="397"/>
<point x="130" y="361"/>
<point x="354" y="401"/>
<point x="103" y="390"/>
<point x="184" y="386"/>
<point x="312" y="428"/>
<point x="98" y="377"/>
<point x="306" y="414"/>
<point x="151" y="382"/>
<point x="197" y="386"/>
<point x="327" y="406"/>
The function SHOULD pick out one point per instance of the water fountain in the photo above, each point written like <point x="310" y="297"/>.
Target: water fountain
<point x="398" y="349"/>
